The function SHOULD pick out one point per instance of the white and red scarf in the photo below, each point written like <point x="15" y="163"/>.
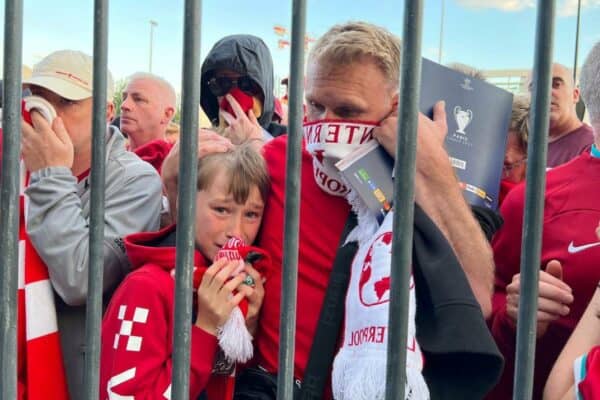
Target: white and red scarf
<point x="329" y="141"/>
<point x="359" y="369"/>
<point x="41" y="373"/>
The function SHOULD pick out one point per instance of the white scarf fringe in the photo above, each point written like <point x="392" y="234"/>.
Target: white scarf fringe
<point x="365" y="379"/>
<point x="367" y="222"/>
<point x="234" y="338"/>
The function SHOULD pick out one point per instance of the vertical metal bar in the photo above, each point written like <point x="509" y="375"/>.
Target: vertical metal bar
<point x="577" y="41"/>
<point x="96" y="240"/>
<point x="9" y="197"/>
<point x="534" y="201"/>
<point x="408" y="111"/>
<point x="287" y="327"/>
<point x="186" y="212"/>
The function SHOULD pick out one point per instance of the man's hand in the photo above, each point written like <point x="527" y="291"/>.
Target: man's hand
<point x="45" y="146"/>
<point x="554" y="297"/>
<point x="241" y="127"/>
<point x="209" y="142"/>
<point x="430" y="133"/>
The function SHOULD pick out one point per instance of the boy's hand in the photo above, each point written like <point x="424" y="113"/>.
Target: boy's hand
<point x="216" y="299"/>
<point x="255" y="294"/>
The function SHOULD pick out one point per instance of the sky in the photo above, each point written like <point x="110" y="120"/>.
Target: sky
<point x="486" y="34"/>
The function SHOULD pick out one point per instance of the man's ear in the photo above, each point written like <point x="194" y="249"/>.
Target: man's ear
<point x="395" y="100"/>
<point x="168" y="115"/>
<point x="576" y="94"/>
<point x="110" y="111"/>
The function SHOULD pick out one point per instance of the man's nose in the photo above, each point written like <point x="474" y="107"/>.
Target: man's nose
<point x="126" y="104"/>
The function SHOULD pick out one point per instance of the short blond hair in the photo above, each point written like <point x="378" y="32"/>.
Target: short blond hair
<point x="353" y="42"/>
<point x="519" y="120"/>
<point x="244" y="168"/>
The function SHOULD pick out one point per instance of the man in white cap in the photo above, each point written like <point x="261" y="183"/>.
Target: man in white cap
<point x="57" y="154"/>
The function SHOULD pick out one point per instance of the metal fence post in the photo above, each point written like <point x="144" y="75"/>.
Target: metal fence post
<point x="186" y="212"/>
<point x="9" y="196"/>
<point x="289" y="289"/>
<point x="534" y="201"/>
<point x="408" y="111"/>
<point x="93" y="317"/>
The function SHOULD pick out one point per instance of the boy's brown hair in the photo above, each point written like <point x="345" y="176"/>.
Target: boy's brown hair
<point x="244" y="168"/>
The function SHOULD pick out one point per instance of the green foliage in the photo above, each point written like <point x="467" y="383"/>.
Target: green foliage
<point x="118" y="94"/>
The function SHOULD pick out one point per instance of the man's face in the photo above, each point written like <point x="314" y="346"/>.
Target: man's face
<point x="76" y="115"/>
<point x="219" y="217"/>
<point x="357" y="91"/>
<point x="229" y="79"/>
<point x="564" y="97"/>
<point x="144" y="113"/>
<point x="515" y="160"/>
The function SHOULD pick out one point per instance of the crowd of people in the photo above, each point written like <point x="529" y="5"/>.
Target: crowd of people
<point x="465" y="276"/>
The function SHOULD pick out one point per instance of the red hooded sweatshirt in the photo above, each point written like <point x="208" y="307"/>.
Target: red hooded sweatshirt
<point x="137" y="329"/>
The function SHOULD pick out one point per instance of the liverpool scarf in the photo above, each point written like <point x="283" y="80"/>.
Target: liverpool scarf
<point x="359" y="369"/>
<point x="41" y="373"/>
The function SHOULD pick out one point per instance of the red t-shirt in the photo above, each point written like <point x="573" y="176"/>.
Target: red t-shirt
<point x="570" y="146"/>
<point x="571" y="215"/>
<point x="322" y="220"/>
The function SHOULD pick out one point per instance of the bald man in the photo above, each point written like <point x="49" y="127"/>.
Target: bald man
<point x="568" y="137"/>
<point x="147" y="109"/>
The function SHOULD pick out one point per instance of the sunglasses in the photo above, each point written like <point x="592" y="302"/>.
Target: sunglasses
<point x="220" y="86"/>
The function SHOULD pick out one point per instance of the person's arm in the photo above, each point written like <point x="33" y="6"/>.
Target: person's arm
<point x="137" y="354"/>
<point x="59" y="229"/>
<point x="437" y="191"/>
<point x="585" y="336"/>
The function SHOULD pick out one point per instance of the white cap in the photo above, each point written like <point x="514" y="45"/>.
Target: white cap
<point x="69" y="74"/>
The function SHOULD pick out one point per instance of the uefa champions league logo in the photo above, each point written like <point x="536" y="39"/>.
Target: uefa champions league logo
<point x="463" y="119"/>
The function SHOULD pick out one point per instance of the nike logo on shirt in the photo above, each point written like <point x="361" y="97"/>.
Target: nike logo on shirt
<point x="576" y="249"/>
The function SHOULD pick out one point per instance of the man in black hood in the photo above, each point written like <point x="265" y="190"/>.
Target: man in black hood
<point x="239" y="69"/>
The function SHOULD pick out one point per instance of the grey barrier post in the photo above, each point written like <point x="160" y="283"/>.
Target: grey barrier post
<point x="9" y="196"/>
<point x="534" y="202"/>
<point x="408" y="111"/>
<point x="289" y="289"/>
<point x="93" y="317"/>
<point x="186" y="210"/>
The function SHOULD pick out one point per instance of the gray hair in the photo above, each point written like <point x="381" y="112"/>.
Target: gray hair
<point x="163" y="84"/>
<point x="467" y="70"/>
<point x="589" y="82"/>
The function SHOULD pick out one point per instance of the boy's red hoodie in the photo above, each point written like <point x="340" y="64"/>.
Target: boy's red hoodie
<point x="137" y="329"/>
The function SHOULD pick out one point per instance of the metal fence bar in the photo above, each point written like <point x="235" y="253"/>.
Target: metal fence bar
<point x="93" y="316"/>
<point x="534" y="201"/>
<point x="9" y="196"/>
<point x="186" y="213"/>
<point x="287" y="327"/>
<point x="408" y="111"/>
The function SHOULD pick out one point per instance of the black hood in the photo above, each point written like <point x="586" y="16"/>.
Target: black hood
<point x="246" y="55"/>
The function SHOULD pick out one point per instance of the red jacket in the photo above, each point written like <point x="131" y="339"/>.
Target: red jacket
<point x="137" y="330"/>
